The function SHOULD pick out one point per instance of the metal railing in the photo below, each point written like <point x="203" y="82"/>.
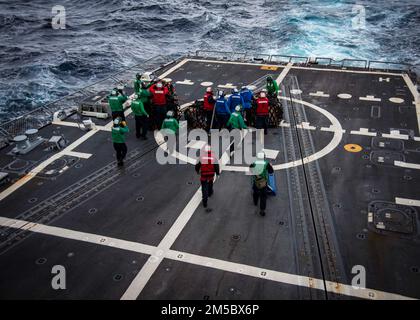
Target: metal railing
<point x="389" y="65"/>
<point x="43" y="115"/>
<point x="288" y="58"/>
<point x="324" y="61"/>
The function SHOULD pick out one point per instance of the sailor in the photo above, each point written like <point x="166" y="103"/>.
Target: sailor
<point x="208" y="107"/>
<point x="272" y="87"/>
<point x="222" y="110"/>
<point x="116" y="101"/>
<point x="236" y="121"/>
<point x="247" y="96"/>
<point x="137" y="83"/>
<point x="159" y="102"/>
<point x="170" y="126"/>
<point x="168" y="84"/>
<point x="262" y="112"/>
<point x="145" y="96"/>
<point x="260" y="170"/>
<point x="207" y="167"/>
<point x="171" y="97"/>
<point x="234" y="100"/>
<point x="141" y="116"/>
<point x="118" y="132"/>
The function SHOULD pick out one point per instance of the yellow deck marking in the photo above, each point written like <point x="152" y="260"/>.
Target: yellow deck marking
<point x="272" y="68"/>
<point x="351" y="147"/>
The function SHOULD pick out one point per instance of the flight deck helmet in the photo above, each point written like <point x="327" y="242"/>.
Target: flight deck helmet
<point x="117" y="121"/>
<point x="261" y="155"/>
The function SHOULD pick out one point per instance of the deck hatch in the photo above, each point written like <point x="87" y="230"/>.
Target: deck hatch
<point x="386" y="217"/>
<point x="386" y="158"/>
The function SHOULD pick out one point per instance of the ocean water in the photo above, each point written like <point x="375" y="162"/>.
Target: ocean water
<point x="39" y="64"/>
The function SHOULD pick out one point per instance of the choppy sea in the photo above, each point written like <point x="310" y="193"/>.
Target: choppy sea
<point x="39" y="64"/>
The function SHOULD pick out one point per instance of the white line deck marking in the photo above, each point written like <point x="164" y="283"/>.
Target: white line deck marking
<point x="186" y="82"/>
<point x="143" y="277"/>
<point x="370" y="98"/>
<point x="344" y="96"/>
<point x="66" y="124"/>
<point x="333" y="128"/>
<point x="396" y="100"/>
<point x="82" y="155"/>
<point x="395" y="134"/>
<point x="384" y="79"/>
<point x="284" y="124"/>
<point x="407" y="165"/>
<point x="77" y="235"/>
<point x="252" y="271"/>
<point x="319" y="94"/>
<point x="364" y="132"/>
<point x="305" y="125"/>
<point x="335" y="141"/>
<point x="226" y="86"/>
<point x="284" y="73"/>
<point x="407" y="202"/>
<point x="416" y="96"/>
<point x="296" y="91"/>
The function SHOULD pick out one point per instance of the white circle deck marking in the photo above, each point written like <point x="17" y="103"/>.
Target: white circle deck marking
<point x="335" y="141"/>
<point x="206" y="84"/>
<point x="396" y="100"/>
<point x="296" y="91"/>
<point x="344" y="96"/>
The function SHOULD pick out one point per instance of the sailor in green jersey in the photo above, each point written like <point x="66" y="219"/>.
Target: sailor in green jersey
<point x="236" y="121"/>
<point x="137" y="83"/>
<point x="145" y="96"/>
<point x="116" y="101"/>
<point x="170" y="126"/>
<point x="272" y="87"/>
<point x="141" y="116"/>
<point x="260" y="170"/>
<point x="118" y="132"/>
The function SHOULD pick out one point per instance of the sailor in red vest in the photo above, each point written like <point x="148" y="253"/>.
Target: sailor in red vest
<point x="262" y="112"/>
<point x="207" y="167"/>
<point x="208" y="107"/>
<point x="159" y="102"/>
